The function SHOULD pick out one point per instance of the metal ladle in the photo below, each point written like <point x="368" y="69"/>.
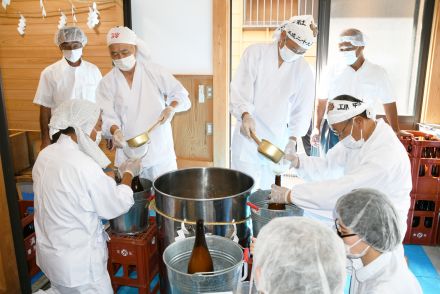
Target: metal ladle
<point x="267" y="149"/>
<point x="143" y="138"/>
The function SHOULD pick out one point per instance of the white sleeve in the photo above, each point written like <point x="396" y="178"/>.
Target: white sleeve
<point x="301" y="104"/>
<point x="324" y="194"/>
<point x="109" y="200"/>
<point x="44" y="94"/>
<point x="169" y="86"/>
<point x="314" y="168"/>
<point x="385" y="92"/>
<point x="105" y="99"/>
<point x="242" y="85"/>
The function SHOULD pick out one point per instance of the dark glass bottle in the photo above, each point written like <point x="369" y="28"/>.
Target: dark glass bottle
<point x="28" y="230"/>
<point x="136" y="185"/>
<point x="200" y="260"/>
<point x="428" y="222"/>
<point x="422" y="170"/>
<point x="277" y="206"/>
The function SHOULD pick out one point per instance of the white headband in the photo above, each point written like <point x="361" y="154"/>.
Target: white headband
<point x="342" y="110"/>
<point x="356" y="40"/>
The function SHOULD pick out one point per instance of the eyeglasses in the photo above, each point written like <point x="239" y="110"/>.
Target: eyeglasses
<point x="342" y="131"/>
<point x="338" y="231"/>
<point x="300" y="51"/>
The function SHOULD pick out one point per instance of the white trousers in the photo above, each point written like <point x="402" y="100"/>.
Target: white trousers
<point x="103" y="286"/>
<point x="262" y="174"/>
<point x="152" y="172"/>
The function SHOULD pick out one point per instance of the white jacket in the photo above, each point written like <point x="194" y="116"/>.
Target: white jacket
<point x="60" y="82"/>
<point x="280" y="99"/>
<point x="389" y="273"/>
<point x="72" y="194"/>
<point x="382" y="163"/>
<point x="135" y="110"/>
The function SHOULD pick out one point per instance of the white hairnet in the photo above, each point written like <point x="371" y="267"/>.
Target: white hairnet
<point x="70" y="34"/>
<point x="123" y="35"/>
<point x="353" y="36"/>
<point x="370" y="215"/>
<point x="299" y="255"/>
<point x="82" y="115"/>
<point x="301" y="29"/>
<point x="342" y="110"/>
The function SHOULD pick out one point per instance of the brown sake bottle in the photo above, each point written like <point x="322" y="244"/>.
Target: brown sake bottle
<point x="136" y="185"/>
<point x="200" y="260"/>
<point x="277" y="206"/>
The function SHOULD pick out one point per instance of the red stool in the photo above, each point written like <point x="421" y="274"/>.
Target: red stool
<point x="134" y="254"/>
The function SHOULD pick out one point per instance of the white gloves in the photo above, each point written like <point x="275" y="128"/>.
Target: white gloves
<point x="167" y="114"/>
<point x="293" y="159"/>
<point x="279" y="194"/>
<point x="247" y="125"/>
<point x="290" y="147"/>
<point x="118" y="139"/>
<point x="131" y="166"/>
<point x="315" y="137"/>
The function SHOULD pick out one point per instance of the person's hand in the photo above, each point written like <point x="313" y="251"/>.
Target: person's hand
<point x="290" y="148"/>
<point x="131" y="166"/>
<point x="279" y="194"/>
<point x="118" y="139"/>
<point x="247" y="125"/>
<point x="292" y="159"/>
<point x="252" y="246"/>
<point x="315" y="138"/>
<point x="167" y="114"/>
<point x="44" y="143"/>
<point x="404" y="134"/>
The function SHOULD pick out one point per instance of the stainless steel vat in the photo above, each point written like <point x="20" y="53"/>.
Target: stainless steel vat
<point x="134" y="221"/>
<point x="265" y="215"/>
<point x="216" y="195"/>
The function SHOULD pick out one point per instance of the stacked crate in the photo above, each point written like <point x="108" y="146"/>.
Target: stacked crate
<point x="134" y="260"/>
<point x="27" y="224"/>
<point x="424" y="214"/>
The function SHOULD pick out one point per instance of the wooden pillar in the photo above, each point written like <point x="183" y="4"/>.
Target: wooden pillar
<point x="221" y="59"/>
<point x="431" y="98"/>
<point x="9" y="282"/>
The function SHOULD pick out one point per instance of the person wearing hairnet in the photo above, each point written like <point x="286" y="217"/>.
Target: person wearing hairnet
<point x="272" y="95"/>
<point x="368" y="224"/>
<point x="356" y="76"/>
<point x="72" y="195"/>
<point x="369" y="154"/>
<point x="71" y="77"/>
<point x="291" y="257"/>
<point x="134" y="95"/>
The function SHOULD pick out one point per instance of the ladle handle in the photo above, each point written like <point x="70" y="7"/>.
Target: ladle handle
<point x="256" y="139"/>
<point x="154" y="126"/>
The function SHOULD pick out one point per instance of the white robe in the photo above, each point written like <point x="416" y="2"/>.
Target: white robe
<point x="135" y="110"/>
<point x="370" y="83"/>
<point x="60" y="82"/>
<point x="389" y="273"/>
<point x="382" y="163"/>
<point x="280" y="100"/>
<point x="72" y="194"/>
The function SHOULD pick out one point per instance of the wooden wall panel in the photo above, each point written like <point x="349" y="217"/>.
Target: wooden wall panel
<point x="23" y="58"/>
<point x="9" y="282"/>
<point x="431" y="100"/>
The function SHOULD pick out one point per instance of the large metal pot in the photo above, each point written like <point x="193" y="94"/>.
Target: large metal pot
<point x="134" y="221"/>
<point x="216" y="195"/>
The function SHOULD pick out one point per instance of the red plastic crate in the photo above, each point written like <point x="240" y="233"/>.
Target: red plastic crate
<point x="30" y="240"/>
<point x="425" y="176"/>
<point x="422" y="228"/>
<point x="131" y="254"/>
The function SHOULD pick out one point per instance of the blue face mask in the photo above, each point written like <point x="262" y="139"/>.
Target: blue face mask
<point x="350" y="143"/>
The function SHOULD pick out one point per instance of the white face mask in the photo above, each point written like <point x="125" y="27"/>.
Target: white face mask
<point x="349" y="57"/>
<point x="288" y="55"/>
<point x="73" y="55"/>
<point x="126" y="63"/>
<point x="355" y="255"/>
<point x="350" y="143"/>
